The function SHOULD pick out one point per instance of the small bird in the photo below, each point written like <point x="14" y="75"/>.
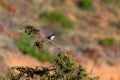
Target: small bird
<point x="51" y="37"/>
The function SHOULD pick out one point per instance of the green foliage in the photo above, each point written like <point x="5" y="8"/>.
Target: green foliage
<point x="107" y="41"/>
<point x="65" y="68"/>
<point x="66" y="64"/>
<point x="118" y="3"/>
<point x="68" y="69"/>
<point x="54" y="17"/>
<point x="26" y="45"/>
<point x="85" y="4"/>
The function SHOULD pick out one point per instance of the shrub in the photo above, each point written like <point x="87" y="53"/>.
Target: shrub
<point x="65" y="67"/>
<point x="54" y="17"/>
<point x="68" y="69"/>
<point x="85" y="4"/>
<point x="26" y="45"/>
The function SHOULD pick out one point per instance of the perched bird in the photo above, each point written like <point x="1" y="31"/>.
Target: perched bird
<point x="51" y="37"/>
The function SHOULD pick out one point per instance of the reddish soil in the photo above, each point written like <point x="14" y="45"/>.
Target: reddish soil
<point x="16" y="59"/>
<point x="104" y="71"/>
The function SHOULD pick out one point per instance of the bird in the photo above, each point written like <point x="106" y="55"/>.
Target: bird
<point x="51" y="37"/>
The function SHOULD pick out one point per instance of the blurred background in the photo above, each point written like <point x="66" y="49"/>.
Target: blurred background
<point x="89" y="30"/>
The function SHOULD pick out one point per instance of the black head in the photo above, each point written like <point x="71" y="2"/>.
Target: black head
<point x="53" y="34"/>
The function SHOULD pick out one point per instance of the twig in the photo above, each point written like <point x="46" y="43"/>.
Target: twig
<point x="57" y="45"/>
<point x="91" y="70"/>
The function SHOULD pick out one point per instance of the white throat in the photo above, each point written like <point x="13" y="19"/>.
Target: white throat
<point x="52" y="37"/>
